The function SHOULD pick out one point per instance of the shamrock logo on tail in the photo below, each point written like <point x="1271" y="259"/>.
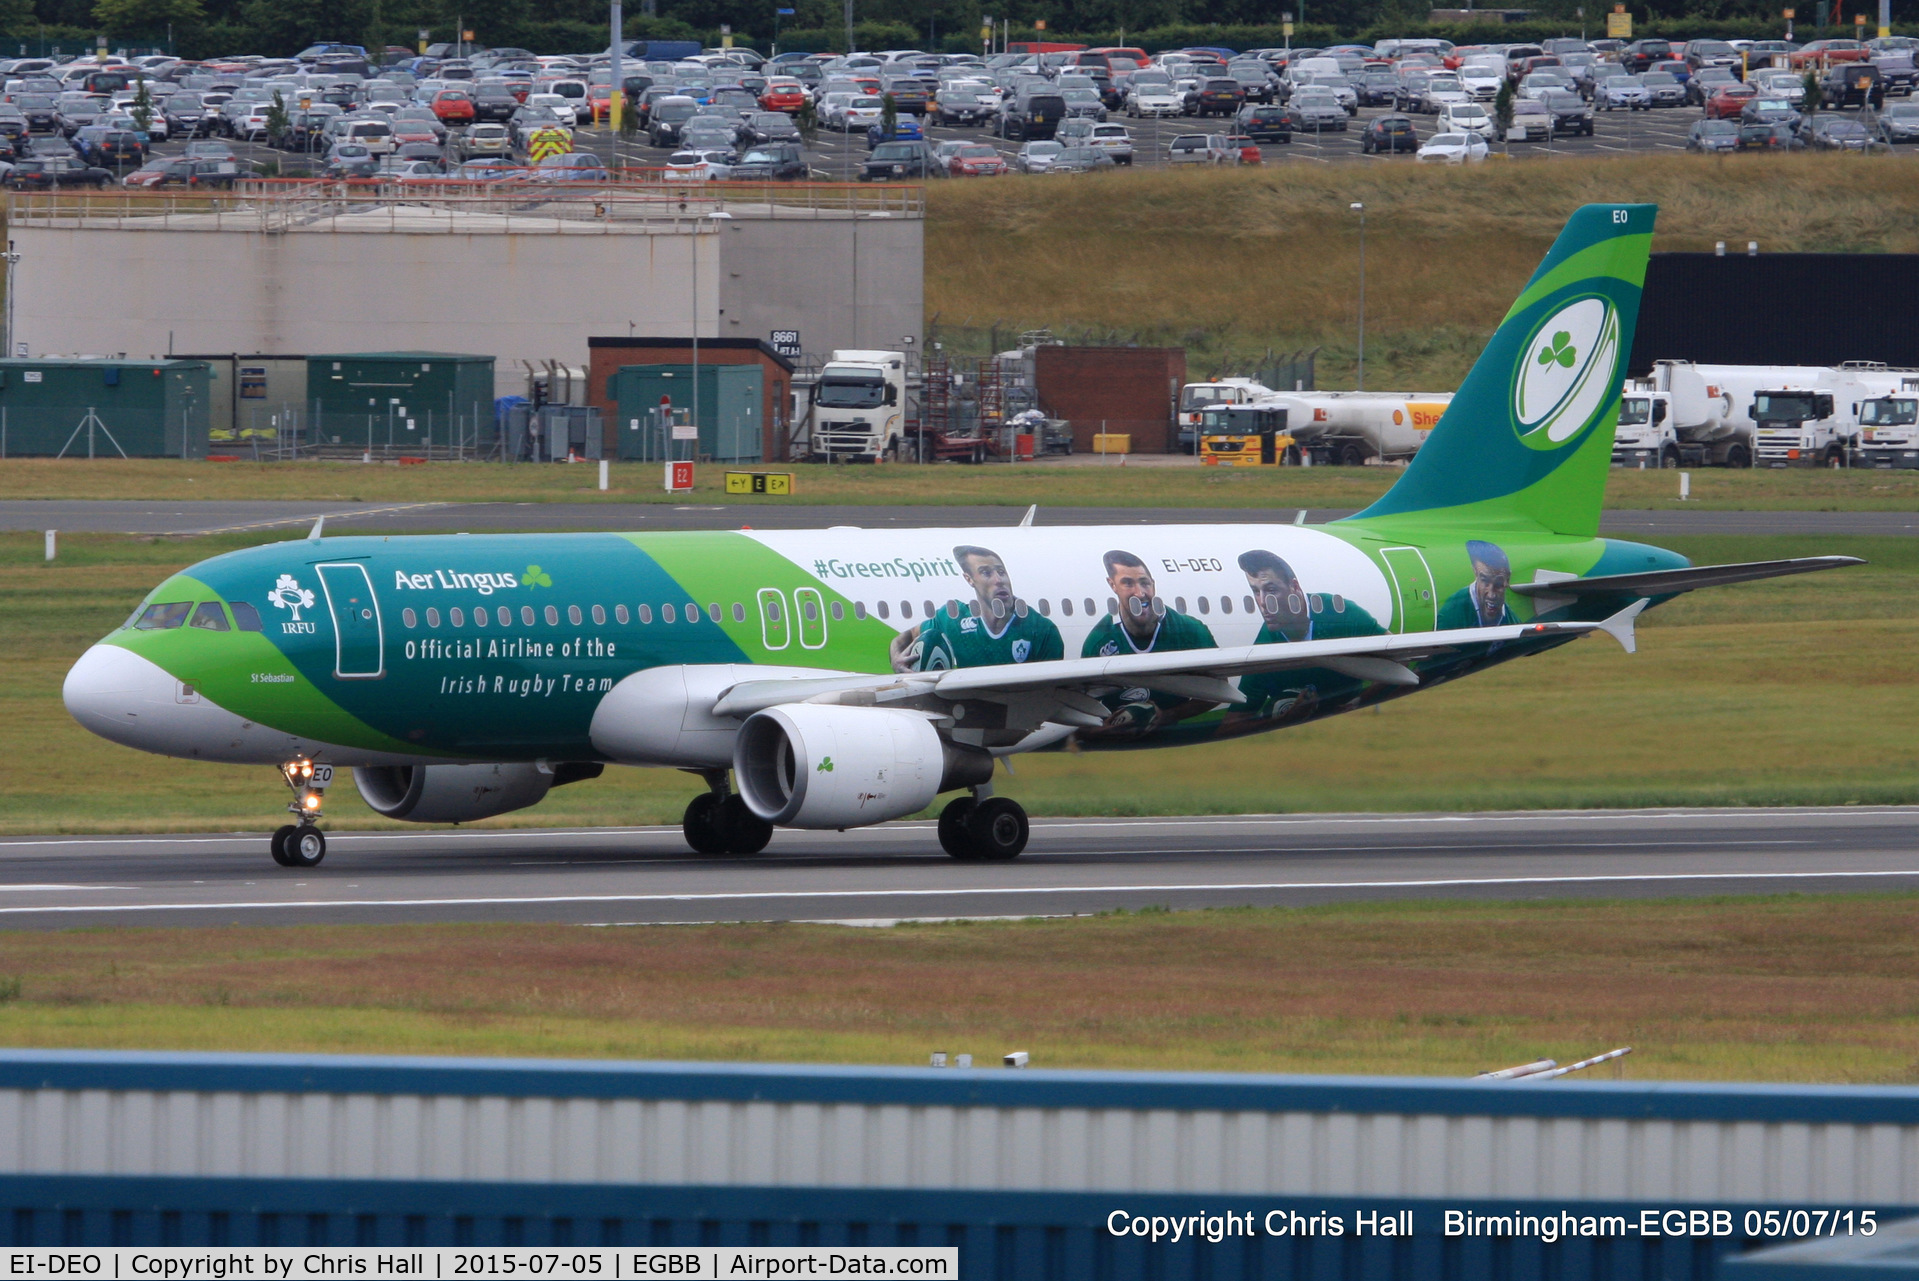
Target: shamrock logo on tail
<point x="1561" y="349"/>
<point x="536" y="577"/>
<point x="825" y="766"/>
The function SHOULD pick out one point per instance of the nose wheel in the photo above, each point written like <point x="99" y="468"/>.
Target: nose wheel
<point x="299" y="845"/>
<point x="302" y="844"/>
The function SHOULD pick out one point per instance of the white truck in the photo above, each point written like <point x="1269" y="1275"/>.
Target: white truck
<point x="1687" y="415"/>
<point x="1196" y="398"/>
<point x="857" y="409"/>
<point x="1889" y="429"/>
<point x="1349" y="428"/>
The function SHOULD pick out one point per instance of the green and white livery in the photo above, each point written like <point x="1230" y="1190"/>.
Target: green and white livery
<point x="842" y="677"/>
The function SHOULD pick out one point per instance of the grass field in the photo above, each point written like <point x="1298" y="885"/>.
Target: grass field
<point x="1777" y="988"/>
<point x="1801" y="690"/>
<point x="1048" y="484"/>
<point x="1229" y="263"/>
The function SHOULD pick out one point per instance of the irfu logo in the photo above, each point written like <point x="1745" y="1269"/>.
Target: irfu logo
<point x="825" y="766"/>
<point x="1560" y="350"/>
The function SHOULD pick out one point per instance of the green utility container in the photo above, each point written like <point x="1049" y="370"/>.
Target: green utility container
<point x="393" y="388"/>
<point x="104" y="408"/>
<point x="730" y="412"/>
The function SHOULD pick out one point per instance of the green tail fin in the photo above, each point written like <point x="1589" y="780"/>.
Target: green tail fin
<point x="1528" y="439"/>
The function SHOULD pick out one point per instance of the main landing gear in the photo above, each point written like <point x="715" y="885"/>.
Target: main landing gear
<point x="983" y="828"/>
<point x="302" y="844"/>
<point x="718" y="822"/>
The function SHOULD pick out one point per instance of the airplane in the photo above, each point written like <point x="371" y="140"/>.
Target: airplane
<point x="839" y="678"/>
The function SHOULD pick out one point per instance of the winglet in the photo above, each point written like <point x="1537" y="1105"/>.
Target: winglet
<point x="1026" y="521"/>
<point x="1620" y="625"/>
<point x="313" y="535"/>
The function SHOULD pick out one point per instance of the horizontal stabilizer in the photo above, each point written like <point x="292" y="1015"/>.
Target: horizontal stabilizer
<point x="1668" y="582"/>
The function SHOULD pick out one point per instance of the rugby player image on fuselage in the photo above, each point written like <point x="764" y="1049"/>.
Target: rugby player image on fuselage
<point x="1289" y="613"/>
<point x="1482" y="602"/>
<point x="1141" y="624"/>
<point x="996" y="628"/>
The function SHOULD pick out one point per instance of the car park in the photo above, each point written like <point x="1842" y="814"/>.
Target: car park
<point x="1453" y="149"/>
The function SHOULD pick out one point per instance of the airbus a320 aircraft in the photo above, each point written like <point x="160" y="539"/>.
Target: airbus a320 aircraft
<point x="843" y="677"/>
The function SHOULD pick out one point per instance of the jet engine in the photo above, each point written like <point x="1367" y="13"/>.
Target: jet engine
<point x="822" y="766"/>
<point x="462" y="793"/>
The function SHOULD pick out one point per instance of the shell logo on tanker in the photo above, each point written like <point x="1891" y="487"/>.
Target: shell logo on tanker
<point x="1425" y="416"/>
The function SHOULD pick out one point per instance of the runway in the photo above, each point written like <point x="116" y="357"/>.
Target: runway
<point x="896" y="872"/>
<point x="197" y="519"/>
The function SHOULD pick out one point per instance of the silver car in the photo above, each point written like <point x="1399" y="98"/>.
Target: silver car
<point x="1621" y="91"/>
<point x="1037" y="156"/>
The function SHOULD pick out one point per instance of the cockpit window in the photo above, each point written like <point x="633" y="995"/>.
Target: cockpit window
<point x="210" y="616"/>
<point x="162" y="617"/>
<point x="245" y="617"/>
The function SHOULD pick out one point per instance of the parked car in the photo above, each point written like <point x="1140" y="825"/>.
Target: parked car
<point x="902" y="159"/>
<point x="1830" y="132"/>
<point x="1080" y="160"/>
<point x="1389" y="134"/>
<point x="964" y="104"/>
<point x="1454" y="149"/>
<point x="1038" y="156"/>
<point x="1116" y="140"/>
<point x="783" y="94"/>
<point x="773" y="162"/>
<point x="1899" y="123"/>
<point x="1219" y="96"/>
<point x="573" y="166"/>
<point x="1764" y="137"/>
<point x="1664" y="89"/>
<point x="698" y="166"/>
<point x="1854" y="84"/>
<point x="1770" y="111"/>
<point x="1713" y="136"/>
<point x="1317" y="111"/>
<point x="975" y="160"/>
<point x="1730" y="101"/>
<point x="1532" y="122"/>
<point x="1570" y="114"/>
<point x="453" y="106"/>
<point x="48" y="172"/>
<point x="1264" y="123"/>
<point x="1470" y="117"/>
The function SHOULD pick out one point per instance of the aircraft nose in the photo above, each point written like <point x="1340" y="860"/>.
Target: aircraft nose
<point x="119" y="695"/>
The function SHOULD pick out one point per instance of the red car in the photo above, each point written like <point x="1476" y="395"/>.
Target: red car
<point x="1823" y="52"/>
<point x="1249" y="153"/>
<point x="976" y="160"/>
<point x="783" y="95"/>
<point x="453" y="106"/>
<point x="1730" y="101"/>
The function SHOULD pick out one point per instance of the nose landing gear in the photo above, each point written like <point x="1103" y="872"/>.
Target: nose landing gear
<point x="302" y="844"/>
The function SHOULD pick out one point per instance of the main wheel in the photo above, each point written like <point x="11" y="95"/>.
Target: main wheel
<point x="998" y="828"/>
<point x="280" y="845"/>
<point x="1350" y="456"/>
<point x="953" y="836"/>
<point x="743" y="831"/>
<point x="701" y="825"/>
<point x="305" y="847"/>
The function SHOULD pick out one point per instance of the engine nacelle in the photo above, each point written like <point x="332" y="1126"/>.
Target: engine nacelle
<point x="821" y="766"/>
<point x="451" y="793"/>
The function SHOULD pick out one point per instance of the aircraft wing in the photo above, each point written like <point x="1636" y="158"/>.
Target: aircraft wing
<point x="1204" y="674"/>
<point x="1667" y="582"/>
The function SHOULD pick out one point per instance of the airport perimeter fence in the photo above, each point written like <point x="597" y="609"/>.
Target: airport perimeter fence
<point x="1031" y="1174"/>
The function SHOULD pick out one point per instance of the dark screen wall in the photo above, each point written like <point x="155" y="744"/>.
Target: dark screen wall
<point x="1779" y="309"/>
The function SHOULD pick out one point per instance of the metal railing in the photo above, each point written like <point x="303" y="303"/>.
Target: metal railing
<point x="641" y="200"/>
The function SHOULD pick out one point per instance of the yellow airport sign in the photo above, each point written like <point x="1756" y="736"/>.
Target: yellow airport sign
<point x="760" y="482"/>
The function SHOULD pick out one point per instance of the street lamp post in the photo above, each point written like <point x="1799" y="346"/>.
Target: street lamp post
<point x="1360" y="209"/>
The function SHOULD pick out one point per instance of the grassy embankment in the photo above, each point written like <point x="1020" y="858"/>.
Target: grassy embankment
<point x="1230" y="263"/>
<point x="1795" y="691"/>
<point x="1049" y="485"/>
<point x="1778" y="988"/>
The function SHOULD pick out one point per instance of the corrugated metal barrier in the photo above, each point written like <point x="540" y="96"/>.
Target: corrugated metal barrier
<point x="1033" y="1174"/>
